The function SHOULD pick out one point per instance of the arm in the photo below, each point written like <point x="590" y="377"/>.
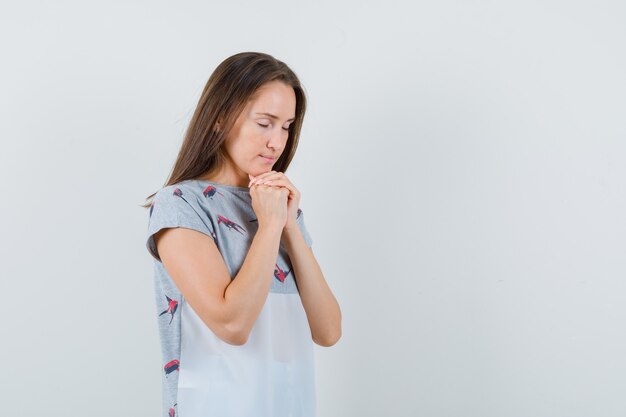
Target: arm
<point x="322" y="309"/>
<point x="228" y="307"/>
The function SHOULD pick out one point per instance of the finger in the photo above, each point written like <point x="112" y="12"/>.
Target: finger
<point x="272" y="177"/>
<point x="283" y="183"/>
<point x="266" y="176"/>
<point x="254" y="179"/>
<point x="272" y="180"/>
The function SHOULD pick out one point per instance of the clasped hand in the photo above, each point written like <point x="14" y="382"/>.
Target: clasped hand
<point x="279" y="179"/>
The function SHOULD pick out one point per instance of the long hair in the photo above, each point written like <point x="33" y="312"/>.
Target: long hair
<point x="230" y="86"/>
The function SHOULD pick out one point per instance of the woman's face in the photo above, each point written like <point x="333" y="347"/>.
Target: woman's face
<point x="261" y="130"/>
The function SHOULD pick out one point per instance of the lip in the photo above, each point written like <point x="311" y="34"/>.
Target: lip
<point x="268" y="158"/>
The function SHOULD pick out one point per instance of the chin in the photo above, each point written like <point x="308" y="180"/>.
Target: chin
<point x="260" y="170"/>
<point x="256" y="171"/>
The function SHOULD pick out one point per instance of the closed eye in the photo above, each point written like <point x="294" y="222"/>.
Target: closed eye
<point x="286" y="129"/>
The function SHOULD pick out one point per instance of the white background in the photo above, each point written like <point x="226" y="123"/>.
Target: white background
<point x="462" y="169"/>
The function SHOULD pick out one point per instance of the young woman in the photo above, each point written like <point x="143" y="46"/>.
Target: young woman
<point x="240" y="296"/>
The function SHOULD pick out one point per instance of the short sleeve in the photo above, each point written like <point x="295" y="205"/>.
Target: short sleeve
<point x="172" y="207"/>
<point x="303" y="229"/>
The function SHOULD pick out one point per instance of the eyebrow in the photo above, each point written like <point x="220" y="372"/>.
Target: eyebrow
<point x="275" y="117"/>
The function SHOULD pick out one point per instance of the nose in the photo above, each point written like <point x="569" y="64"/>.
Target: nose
<point x="277" y="138"/>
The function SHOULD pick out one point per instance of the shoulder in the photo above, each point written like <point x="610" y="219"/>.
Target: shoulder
<point x="177" y="205"/>
<point x="176" y="199"/>
<point x="178" y="190"/>
<point x="174" y="206"/>
<point x="179" y="194"/>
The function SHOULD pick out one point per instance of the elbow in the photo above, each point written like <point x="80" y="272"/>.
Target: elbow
<point x="228" y="333"/>
<point x="237" y="339"/>
<point x="328" y="341"/>
<point x="232" y="330"/>
<point x="237" y="333"/>
<point x="330" y="336"/>
<point x="234" y="335"/>
<point x="226" y="327"/>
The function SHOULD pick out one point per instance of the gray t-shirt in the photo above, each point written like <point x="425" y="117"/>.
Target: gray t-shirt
<point x="272" y="374"/>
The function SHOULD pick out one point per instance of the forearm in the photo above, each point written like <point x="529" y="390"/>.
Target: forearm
<point x="247" y="292"/>
<point x="322" y="309"/>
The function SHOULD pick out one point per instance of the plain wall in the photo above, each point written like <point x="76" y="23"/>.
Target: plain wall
<point x="461" y="167"/>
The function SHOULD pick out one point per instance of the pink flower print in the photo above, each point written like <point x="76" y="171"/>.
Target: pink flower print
<point x="171" y="366"/>
<point x="178" y="192"/>
<point x="230" y="224"/>
<point x="280" y="274"/>
<point x="172" y="305"/>
<point x="210" y="191"/>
